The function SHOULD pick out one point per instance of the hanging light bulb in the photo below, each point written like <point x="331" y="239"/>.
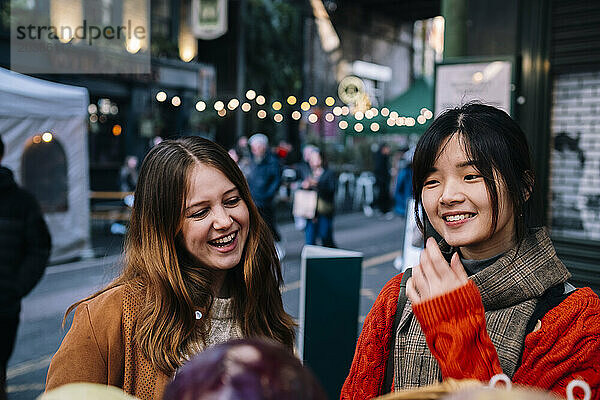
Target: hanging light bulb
<point x="233" y="103"/>
<point x="219" y="105"/>
<point x="250" y="94"/>
<point x="161" y="96"/>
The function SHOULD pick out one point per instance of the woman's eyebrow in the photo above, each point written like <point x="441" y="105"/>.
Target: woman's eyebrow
<point x="464" y="164"/>
<point x="230" y="191"/>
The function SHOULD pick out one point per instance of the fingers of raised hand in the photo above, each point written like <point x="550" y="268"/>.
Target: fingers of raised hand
<point x="458" y="269"/>
<point x="419" y="281"/>
<point x="437" y="266"/>
<point x="434" y="276"/>
<point x="411" y="292"/>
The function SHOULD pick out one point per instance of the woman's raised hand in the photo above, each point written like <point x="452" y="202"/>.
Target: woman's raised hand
<point x="433" y="276"/>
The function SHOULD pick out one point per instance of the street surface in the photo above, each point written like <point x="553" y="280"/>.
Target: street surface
<point x="40" y="331"/>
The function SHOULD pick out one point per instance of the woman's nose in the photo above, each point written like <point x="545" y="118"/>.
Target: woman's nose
<point x="452" y="194"/>
<point x="222" y="219"/>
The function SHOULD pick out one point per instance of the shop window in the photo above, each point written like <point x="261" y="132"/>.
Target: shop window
<point x="44" y="172"/>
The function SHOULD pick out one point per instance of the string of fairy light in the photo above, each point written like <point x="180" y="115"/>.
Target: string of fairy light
<point x="304" y="108"/>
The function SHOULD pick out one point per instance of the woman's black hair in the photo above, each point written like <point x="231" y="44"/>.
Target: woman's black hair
<point x="496" y="145"/>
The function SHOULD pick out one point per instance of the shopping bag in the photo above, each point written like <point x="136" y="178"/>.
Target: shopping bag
<point x="305" y="203"/>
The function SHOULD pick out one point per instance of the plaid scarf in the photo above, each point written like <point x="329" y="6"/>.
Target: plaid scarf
<point x="509" y="290"/>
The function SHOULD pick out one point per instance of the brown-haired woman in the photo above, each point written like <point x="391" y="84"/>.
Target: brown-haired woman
<point x="200" y="268"/>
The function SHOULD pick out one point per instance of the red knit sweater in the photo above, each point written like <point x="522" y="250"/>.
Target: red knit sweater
<point x="566" y="347"/>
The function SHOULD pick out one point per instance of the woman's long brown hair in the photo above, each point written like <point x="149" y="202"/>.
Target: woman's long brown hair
<point x="174" y="285"/>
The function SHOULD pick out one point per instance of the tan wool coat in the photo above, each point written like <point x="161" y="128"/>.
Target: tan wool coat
<point x="99" y="348"/>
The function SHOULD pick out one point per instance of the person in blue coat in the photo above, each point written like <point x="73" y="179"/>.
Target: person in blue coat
<point x="403" y="190"/>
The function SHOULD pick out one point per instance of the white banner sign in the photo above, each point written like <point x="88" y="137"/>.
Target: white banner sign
<point x="488" y="82"/>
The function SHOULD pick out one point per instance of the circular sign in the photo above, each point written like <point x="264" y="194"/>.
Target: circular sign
<point x="350" y="89"/>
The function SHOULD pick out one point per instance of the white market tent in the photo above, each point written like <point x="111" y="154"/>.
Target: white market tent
<point x="28" y="108"/>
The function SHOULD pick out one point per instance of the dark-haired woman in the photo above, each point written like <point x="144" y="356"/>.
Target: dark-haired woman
<point x="492" y="297"/>
<point x="199" y="269"/>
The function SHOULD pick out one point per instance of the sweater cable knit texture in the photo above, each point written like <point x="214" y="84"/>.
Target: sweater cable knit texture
<point x="566" y="347"/>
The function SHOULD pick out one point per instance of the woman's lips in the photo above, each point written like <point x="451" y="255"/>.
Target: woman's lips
<point x="458" y="219"/>
<point x="229" y="247"/>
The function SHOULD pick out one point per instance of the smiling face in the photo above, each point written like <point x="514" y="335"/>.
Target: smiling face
<point x="458" y="205"/>
<point x="216" y="219"/>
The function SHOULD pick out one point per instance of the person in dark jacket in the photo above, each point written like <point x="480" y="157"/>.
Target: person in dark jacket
<point x="382" y="178"/>
<point x="24" y="251"/>
<point x="264" y="180"/>
<point x="323" y="180"/>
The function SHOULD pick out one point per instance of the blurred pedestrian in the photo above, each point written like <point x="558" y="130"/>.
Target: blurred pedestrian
<point x="303" y="167"/>
<point x="128" y="175"/>
<point x="244" y="157"/>
<point x="242" y="148"/>
<point x="24" y="251"/>
<point x="382" y="178"/>
<point x="323" y="180"/>
<point x="492" y="296"/>
<point x="264" y="180"/>
<point x="283" y="151"/>
<point x="403" y="189"/>
<point x="200" y="268"/>
<point x="245" y="369"/>
<point x="303" y="171"/>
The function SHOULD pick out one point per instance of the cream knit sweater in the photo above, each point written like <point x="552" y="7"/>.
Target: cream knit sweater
<point x="223" y="327"/>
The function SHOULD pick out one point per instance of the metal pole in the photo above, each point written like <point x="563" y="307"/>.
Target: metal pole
<point x="241" y="70"/>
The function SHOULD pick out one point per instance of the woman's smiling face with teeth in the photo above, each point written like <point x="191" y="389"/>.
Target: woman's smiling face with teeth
<point x="216" y="219"/>
<point x="458" y="205"/>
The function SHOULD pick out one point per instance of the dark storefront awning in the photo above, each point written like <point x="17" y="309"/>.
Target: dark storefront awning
<point x="409" y="113"/>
